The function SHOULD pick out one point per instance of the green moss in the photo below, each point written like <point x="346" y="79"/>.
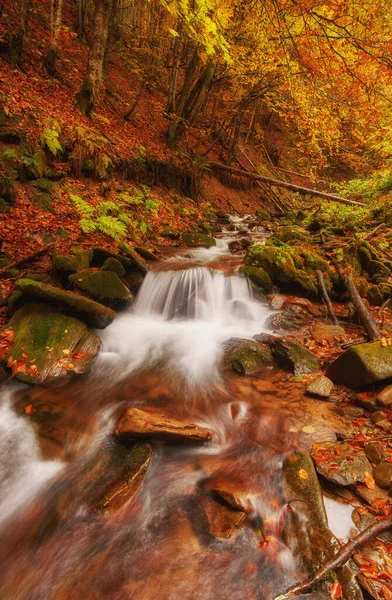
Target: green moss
<point x="112" y="264"/>
<point x="195" y="240"/>
<point x="101" y="254"/>
<point x="105" y="286"/>
<point x="249" y="357"/>
<point x="263" y="215"/>
<point x="78" y="260"/>
<point x="293" y="233"/>
<point x="3" y="206"/>
<point x="89" y="311"/>
<point x="257" y="276"/>
<point x="170" y="232"/>
<point x="145" y="253"/>
<point x="43" y="185"/>
<point x="294" y="356"/>
<point x="378" y="271"/>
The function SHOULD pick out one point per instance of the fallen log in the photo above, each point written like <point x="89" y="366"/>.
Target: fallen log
<point x="284" y="184"/>
<point x="21" y="261"/>
<point x="363" y="313"/>
<point x="327" y="300"/>
<point x="338" y="560"/>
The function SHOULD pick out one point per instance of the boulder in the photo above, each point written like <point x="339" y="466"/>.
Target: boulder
<point x="321" y="387"/>
<point x="375" y="451"/>
<point x="170" y="232"/>
<point x="362" y="364"/>
<point x="112" y="264"/>
<point x="325" y="332"/>
<point x="101" y="254"/>
<point x="195" y="240"/>
<point x="247" y="357"/>
<point x="48" y="343"/>
<point x="77" y="260"/>
<point x="137" y="261"/>
<point x="340" y="463"/>
<point x="257" y="276"/>
<point x="291" y="318"/>
<point x="383" y="475"/>
<point x="104" y="286"/>
<point x="136" y="423"/>
<point x="90" y="312"/>
<point x="146" y="253"/>
<point x="384" y="398"/>
<point x="292" y="355"/>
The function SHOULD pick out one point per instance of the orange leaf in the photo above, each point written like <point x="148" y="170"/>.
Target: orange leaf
<point x="335" y="590"/>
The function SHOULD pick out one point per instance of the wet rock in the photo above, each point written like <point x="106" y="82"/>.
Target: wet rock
<point x="137" y="423"/>
<point x="78" y="259"/>
<point x="246" y="357"/>
<point x="224" y="521"/>
<point x="384" y="398"/>
<point x="383" y="475"/>
<point x="87" y="310"/>
<point x="306" y="528"/>
<point x="137" y="261"/>
<point x="292" y="355"/>
<point x="364" y="520"/>
<point x="325" y="332"/>
<point x="378" y="416"/>
<point x="362" y="364"/>
<point x="368" y="402"/>
<point x="48" y="344"/>
<point x="170" y="232"/>
<point x="384" y="424"/>
<point x="196" y="240"/>
<point x="340" y="463"/>
<point x="104" y="286"/>
<point x="112" y="264"/>
<point x="321" y="386"/>
<point x="239" y="245"/>
<point x="258" y="277"/>
<point x="145" y="253"/>
<point x="291" y="318"/>
<point x="371" y="494"/>
<point x="375" y="451"/>
<point x="101" y="254"/>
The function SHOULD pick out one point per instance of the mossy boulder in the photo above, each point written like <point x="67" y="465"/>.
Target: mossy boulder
<point x="247" y="357"/>
<point x="112" y="264"/>
<point x="43" y="185"/>
<point x="137" y="261"/>
<point x="77" y="260"/>
<point x="48" y="343"/>
<point x="374" y="296"/>
<point x="90" y="312"/>
<point x="292" y="355"/>
<point x="279" y="264"/>
<point x="170" y="232"/>
<point x="292" y="233"/>
<point x="3" y="206"/>
<point x="361" y="365"/>
<point x="101" y="254"/>
<point x="104" y="286"/>
<point x="145" y="253"/>
<point x="260" y="278"/>
<point x="195" y="240"/>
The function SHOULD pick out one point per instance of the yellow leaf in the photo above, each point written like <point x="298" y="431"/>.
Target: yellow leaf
<point x="66" y="352"/>
<point x="369" y="481"/>
<point x="308" y="429"/>
<point x="303" y="474"/>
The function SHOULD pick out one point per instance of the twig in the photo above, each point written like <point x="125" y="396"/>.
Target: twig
<point x="326" y="298"/>
<point x="338" y="560"/>
<point x="27" y="258"/>
<point x="373" y="232"/>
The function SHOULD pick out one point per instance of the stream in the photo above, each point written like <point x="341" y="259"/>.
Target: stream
<point x="172" y="540"/>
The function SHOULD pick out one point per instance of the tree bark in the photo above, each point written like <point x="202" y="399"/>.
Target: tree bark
<point x="56" y="15"/>
<point x="16" y="47"/>
<point x="171" y="101"/>
<point x="87" y="96"/>
<point x="176" y="126"/>
<point x="284" y="184"/>
<point x="326" y="298"/>
<point x="369" y="324"/>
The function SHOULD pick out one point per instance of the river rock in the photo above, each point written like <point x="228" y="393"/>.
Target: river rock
<point x="321" y="386"/>
<point x="364" y="520"/>
<point x="375" y="451"/>
<point x="362" y="364"/>
<point x="383" y="475"/>
<point x="258" y="277"/>
<point x="137" y="260"/>
<point x="137" y="423"/>
<point x="112" y="264"/>
<point x="247" y="357"/>
<point x="146" y="253"/>
<point x="369" y="495"/>
<point x="78" y="259"/>
<point x="292" y="355"/>
<point x="195" y="240"/>
<point x="48" y="343"/>
<point x="104" y="286"/>
<point x="325" y="332"/>
<point x="384" y="398"/>
<point x="340" y="463"/>
<point x="102" y="254"/>
<point x="378" y="416"/>
<point x="224" y="521"/>
<point x="170" y="232"/>
<point x="92" y="313"/>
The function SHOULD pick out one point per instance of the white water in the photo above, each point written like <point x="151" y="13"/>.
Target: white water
<point x="181" y="320"/>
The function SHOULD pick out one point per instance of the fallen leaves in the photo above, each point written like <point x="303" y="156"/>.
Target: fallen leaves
<point x="6" y="341"/>
<point x="335" y="590"/>
<point x="369" y="481"/>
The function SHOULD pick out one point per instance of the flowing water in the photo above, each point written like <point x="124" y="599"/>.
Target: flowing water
<point x="172" y="540"/>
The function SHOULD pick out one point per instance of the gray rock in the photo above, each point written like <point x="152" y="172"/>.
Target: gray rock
<point x="321" y="386"/>
<point x="362" y="364"/>
<point x="292" y="355"/>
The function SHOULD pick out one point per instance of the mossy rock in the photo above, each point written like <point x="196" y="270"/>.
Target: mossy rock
<point x="374" y="296"/>
<point x="10" y="135"/>
<point x="264" y="215"/>
<point x="145" y="253"/>
<point x="258" y="277"/>
<point x="170" y="232"/>
<point x="7" y="188"/>
<point x="361" y="365"/>
<point x="378" y="271"/>
<point x="3" y="206"/>
<point x="292" y="355"/>
<point x="90" y="312"/>
<point x="78" y="260"/>
<point x="112" y="264"/>
<point x="196" y="240"/>
<point x="136" y="259"/>
<point x="247" y="357"/>
<point x="104" y="286"/>
<point x="101" y="254"/>
<point x="48" y="344"/>
<point x="293" y="233"/>
<point x="43" y="185"/>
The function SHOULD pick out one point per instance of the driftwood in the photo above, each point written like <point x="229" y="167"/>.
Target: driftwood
<point x="284" y="184"/>
<point x="21" y="261"/>
<point x="363" y="313"/>
<point x="338" y="560"/>
<point x="327" y="300"/>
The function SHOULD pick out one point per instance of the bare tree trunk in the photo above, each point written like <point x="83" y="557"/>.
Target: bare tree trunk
<point x="56" y="16"/>
<point x="82" y="19"/>
<point x="176" y="126"/>
<point x="171" y="101"/>
<point x="87" y="96"/>
<point x="17" y="40"/>
<point x="369" y="323"/>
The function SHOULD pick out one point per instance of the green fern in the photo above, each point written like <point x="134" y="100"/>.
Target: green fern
<point x="88" y="226"/>
<point x="50" y="137"/>
<point x="109" y="207"/>
<point x="112" y="226"/>
<point x="84" y="208"/>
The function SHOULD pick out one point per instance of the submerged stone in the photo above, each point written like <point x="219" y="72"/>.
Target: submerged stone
<point x="136" y="423"/>
<point x="104" y="286"/>
<point x="48" y="344"/>
<point x="362" y="364"/>
<point x="321" y="387"/>
<point x="194" y="240"/>
<point x="292" y="355"/>
<point x="340" y="463"/>
<point x="91" y="312"/>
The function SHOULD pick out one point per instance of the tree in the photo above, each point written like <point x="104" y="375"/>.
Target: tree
<point x="56" y="11"/>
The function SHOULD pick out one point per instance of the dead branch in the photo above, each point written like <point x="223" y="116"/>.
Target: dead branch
<point x="363" y="313"/>
<point x="373" y="232"/>
<point x="338" y="560"/>
<point x="327" y="300"/>
<point x="21" y="261"/>
<point x="284" y="184"/>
